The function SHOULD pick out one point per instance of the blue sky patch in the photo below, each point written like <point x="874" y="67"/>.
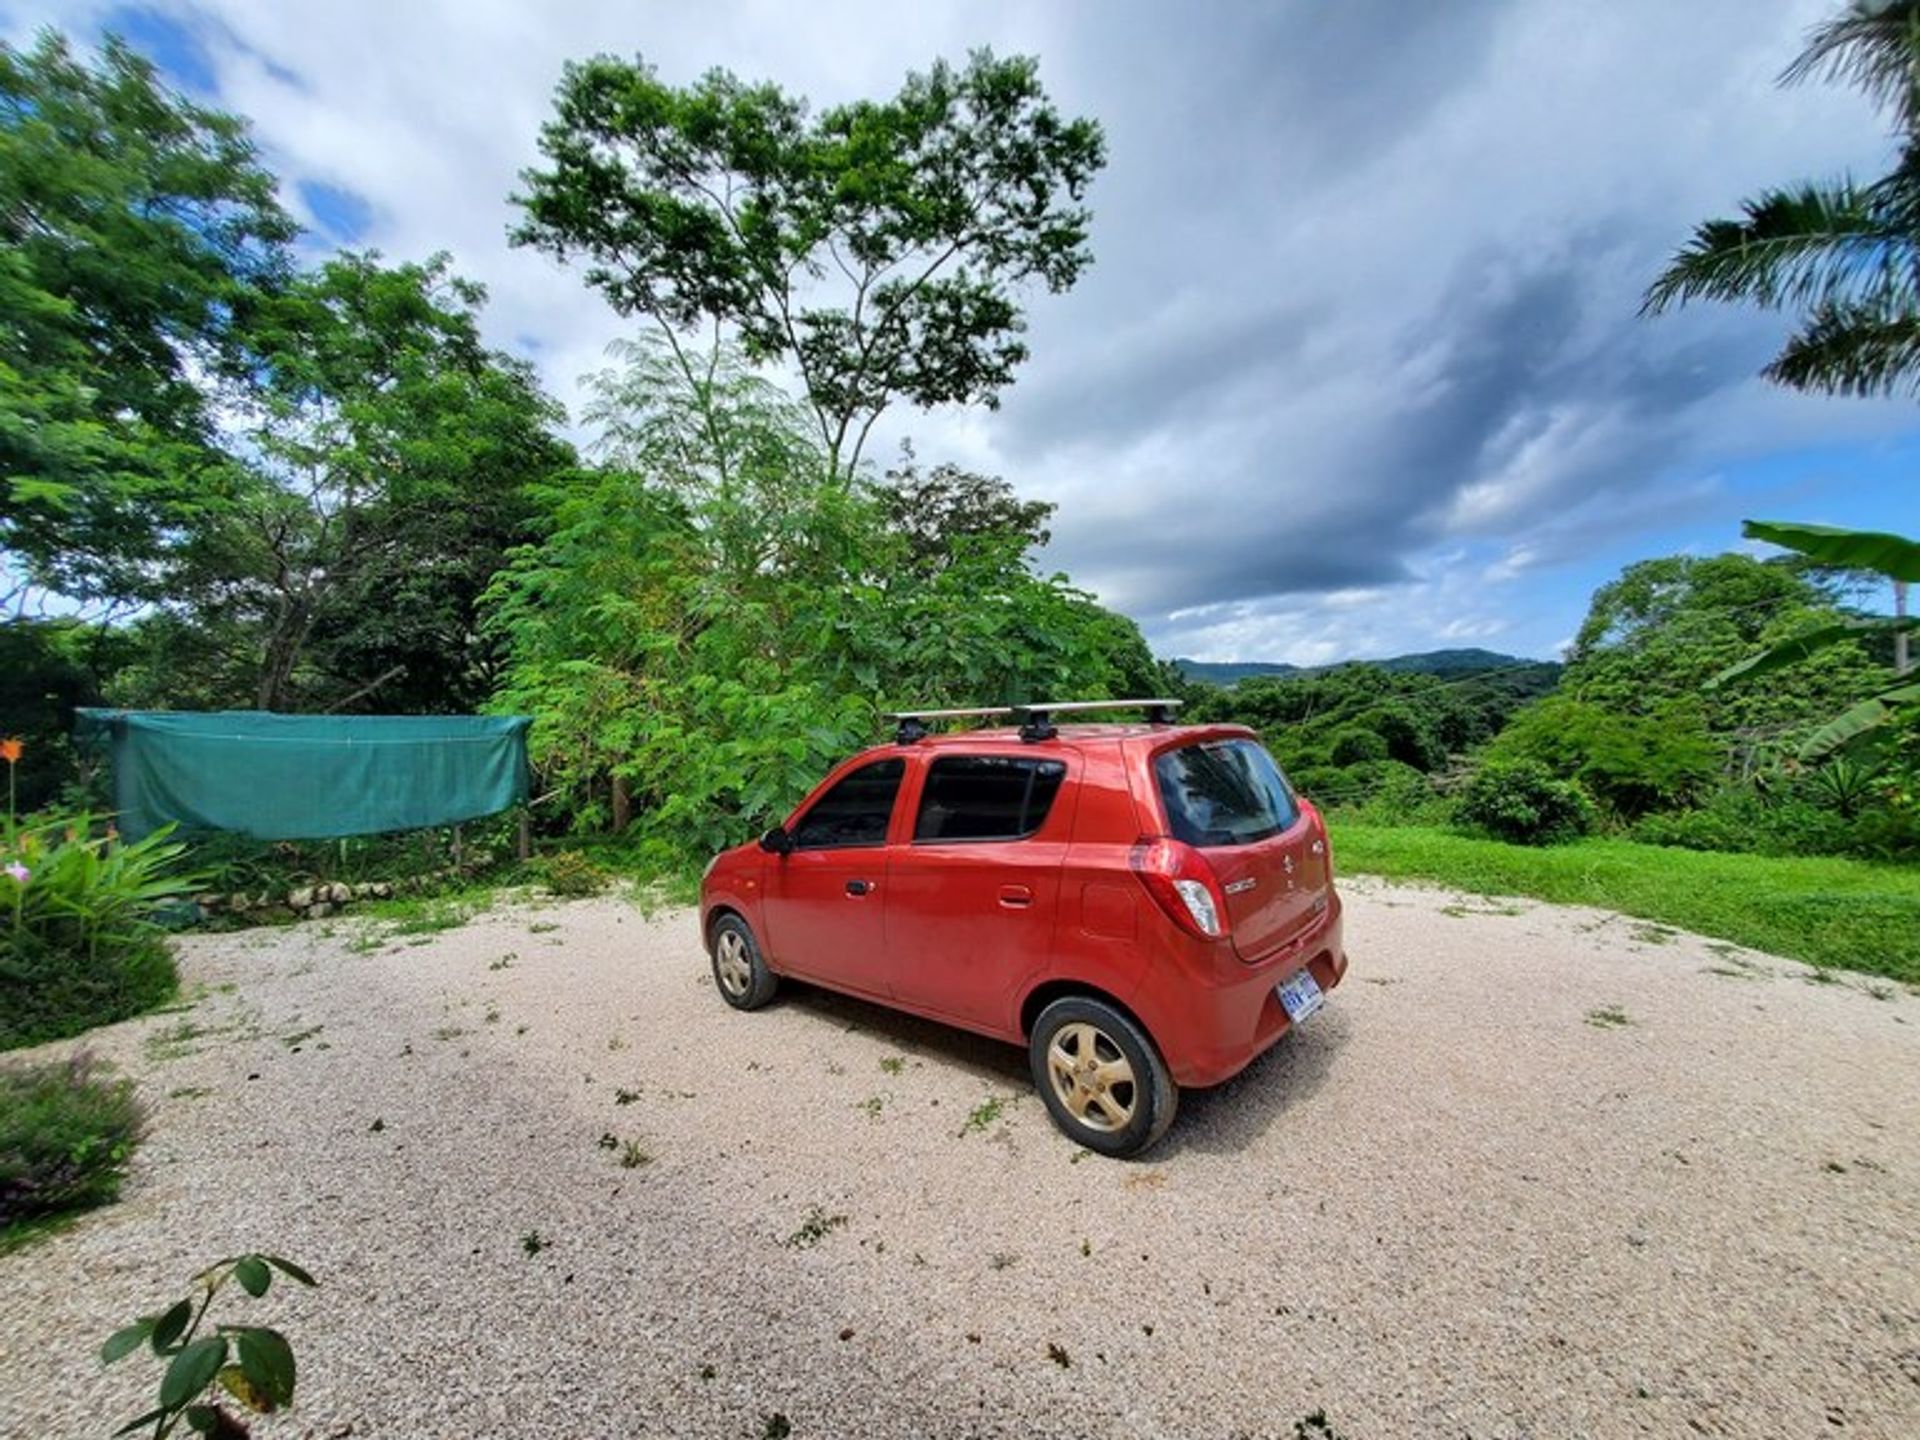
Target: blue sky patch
<point x="341" y="215"/>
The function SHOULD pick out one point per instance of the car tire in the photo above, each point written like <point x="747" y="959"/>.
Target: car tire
<point x="740" y="972"/>
<point x="1101" y="1077"/>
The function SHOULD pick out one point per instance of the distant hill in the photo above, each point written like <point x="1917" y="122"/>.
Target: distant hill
<point x="1428" y="662"/>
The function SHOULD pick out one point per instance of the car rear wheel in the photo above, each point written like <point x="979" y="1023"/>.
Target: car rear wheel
<point x="1102" y="1080"/>
<point x="739" y="970"/>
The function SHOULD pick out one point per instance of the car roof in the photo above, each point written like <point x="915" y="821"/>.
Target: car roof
<point x="1080" y="736"/>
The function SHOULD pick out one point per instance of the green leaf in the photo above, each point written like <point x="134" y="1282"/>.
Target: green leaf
<point x="289" y="1269"/>
<point x="1894" y="556"/>
<point x="141" y="1422"/>
<point x="267" y="1360"/>
<point x="192" y="1371"/>
<point x="125" y="1341"/>
<point x="252" y="1273"/>
<point x="1868" y="715"/>
<point x="171" y="1326"/>
<point x="1792" y="651"/>
<point x="202" y="1418"/>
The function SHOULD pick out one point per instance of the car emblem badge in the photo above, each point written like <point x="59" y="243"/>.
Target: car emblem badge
<point x="1240" y="887"/>
<point x="1288" y="862"/>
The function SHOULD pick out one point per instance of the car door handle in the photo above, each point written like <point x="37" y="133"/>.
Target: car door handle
<point x="858" y="887"/>
<point x="1015" y="896"/>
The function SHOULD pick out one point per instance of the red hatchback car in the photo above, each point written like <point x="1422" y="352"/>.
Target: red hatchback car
<point x="1143" y="906"/>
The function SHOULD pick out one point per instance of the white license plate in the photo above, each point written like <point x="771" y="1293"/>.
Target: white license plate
<point x="1301" y="995"/>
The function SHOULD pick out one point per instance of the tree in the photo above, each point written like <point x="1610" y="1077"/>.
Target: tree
<point x="132" y="225"/>
<point x="877" y="247"/>
<point x="934" y="509"/>
<point x="1842" y="254"/>
<point x="381" y="458"/>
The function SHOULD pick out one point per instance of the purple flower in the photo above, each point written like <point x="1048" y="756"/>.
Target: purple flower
<point x="19" y="872"/>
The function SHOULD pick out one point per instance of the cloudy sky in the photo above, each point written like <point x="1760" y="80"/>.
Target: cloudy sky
<point x="1357" y="370"/>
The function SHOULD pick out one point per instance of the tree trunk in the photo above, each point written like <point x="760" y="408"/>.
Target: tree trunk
<point x="622" y="805"/>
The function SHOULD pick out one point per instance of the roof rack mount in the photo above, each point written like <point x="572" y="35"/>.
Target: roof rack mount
<point x="912" y="724"/>
<point x="1037" y="719"/>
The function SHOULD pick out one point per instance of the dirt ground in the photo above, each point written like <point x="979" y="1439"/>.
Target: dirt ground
<point x="1533" y="1171"/>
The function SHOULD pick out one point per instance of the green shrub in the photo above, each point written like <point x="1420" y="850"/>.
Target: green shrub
<point x="1741" y="820"/>
<point x="77" y="948"/>
<point x="1388" y="792"/>
<point x="66" y="1134"/>
<point x="571" y="874"/>
<point x="1357" y="746"/>
<point x="1520" y="802"/>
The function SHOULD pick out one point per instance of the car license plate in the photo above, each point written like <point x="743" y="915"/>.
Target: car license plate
<point x="1301" y="995"/>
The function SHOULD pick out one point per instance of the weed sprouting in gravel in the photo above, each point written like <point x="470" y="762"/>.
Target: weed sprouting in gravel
<point x="1058" y="1355"/>
<point x="614" y="1042"/>
<point x="1315" y="1426"/>
<point x="983" y="1115"/>
<point x="633" y="1155"/>
<point x="448" y="1032"/>
<point x="542" y="927"/>
<point x="707" y="1372"/>
<point x="815" y="1226"/>
<point x="893" y="1064"/>
<point x="1002" y="1260"/>
<point x="189" y="1092"/>
<point x="379" y="1124"/>
<point x="301" y="1037"/>
<point x="505" y="962"/>
<point x="625" y="1097"/>
<point x="492" y="1017"/>
<point x="873" y="1105"/>
<point x="1086" y="1248"/>
<point x="1608" y="1017"/>
<point x="608" y="1141"/>
<point x="533" y="1242"/>
<point x="777" y="1427"/>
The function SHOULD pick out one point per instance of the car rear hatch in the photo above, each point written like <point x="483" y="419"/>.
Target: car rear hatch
<point x="1226" y="798"/>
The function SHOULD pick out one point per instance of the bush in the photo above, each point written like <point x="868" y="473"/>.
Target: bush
<point x="571" y="874"/>
<point x="1520" y="802"/>
<point x="1357" y="746"/>
<point x="1740" y="820"/>
<point x="66" y="1134"/>
<point x="77" y="948"/>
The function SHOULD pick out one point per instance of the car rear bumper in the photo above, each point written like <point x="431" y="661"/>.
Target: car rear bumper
<point x="1211" y="1021"/>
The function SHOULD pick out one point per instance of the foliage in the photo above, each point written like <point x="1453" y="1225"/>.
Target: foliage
<point x="1631" y="763"/>
<point x="48" y="668"/>
<point x="569" y="873"/>
<point x="1841" y="254"/>
<point x="1844" y="914"/>
<point x="66" y="1134"/>
<point x="77" y="948"/>
<point x="935" y="510"/>
<point x="131" y="221"/>
<point x="387" y="452"/>
<point x="877" y="247"/>
<point x="1520" y="802"/>
<point x="715" y="617"/>
<point x="253" y="1364"/>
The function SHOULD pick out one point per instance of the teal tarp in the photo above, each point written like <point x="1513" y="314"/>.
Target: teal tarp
<point x="307" y="777"/>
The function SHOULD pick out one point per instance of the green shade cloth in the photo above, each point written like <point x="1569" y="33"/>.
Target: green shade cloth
<point x="306" y="777"/>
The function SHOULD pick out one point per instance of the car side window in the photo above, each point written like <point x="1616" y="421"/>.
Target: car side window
<point x="855" y="811"/>
<point x="986" y="797"/>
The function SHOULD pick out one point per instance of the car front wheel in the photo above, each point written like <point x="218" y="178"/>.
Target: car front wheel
<point x="739" y="970"/>
<point x="1102" y="1080"/>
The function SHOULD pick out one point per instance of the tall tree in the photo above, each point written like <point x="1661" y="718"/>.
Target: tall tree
<point x="384" y="454"/>
<point x="132" y="225"/>
<point x="877" y="247"/>
<point x="933" y="510"/>
<point x="1842" y="255"/>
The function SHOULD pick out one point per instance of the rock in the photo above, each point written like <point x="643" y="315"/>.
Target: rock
<point x="380" y="890"/>
<point x="319" y="911"/>
<point x="300" y="899"/>
<point x="210" y="901"/>
<point x="339" y="894"/>
<point x="240" y="902"/>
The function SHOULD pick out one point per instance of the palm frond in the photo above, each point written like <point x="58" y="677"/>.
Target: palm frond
<point x="1847" y="348"/>
<point x="1872" y="45"/>
<point x="1812" y="245"/>
<point x="1894" y="556"/>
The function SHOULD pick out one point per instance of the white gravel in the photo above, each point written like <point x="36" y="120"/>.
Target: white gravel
<point x="1457" y="1203"/>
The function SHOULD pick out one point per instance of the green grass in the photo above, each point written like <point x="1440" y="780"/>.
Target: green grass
<point x="1840" y="914"/>
<point x="66" y="1135"/>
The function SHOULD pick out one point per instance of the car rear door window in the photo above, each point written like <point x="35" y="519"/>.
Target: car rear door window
<point x="1223" y="792"/>
<point x="986" y="797"/>
<point x="855" y="811"/>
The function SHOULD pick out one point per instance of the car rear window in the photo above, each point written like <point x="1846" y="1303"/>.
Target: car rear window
<point x="855" y="811"/>
<point x="1223" y="792"/>
<point x="986" y="797"/>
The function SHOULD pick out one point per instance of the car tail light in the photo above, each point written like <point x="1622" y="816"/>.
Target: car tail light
<point x="1181" y="882"/>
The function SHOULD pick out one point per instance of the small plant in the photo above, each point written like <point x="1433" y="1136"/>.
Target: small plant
<point x="505" y="962"/>
<point x="448" y="1032"/>
<point x="66" y="1135"/>
<point x="983" y="1115"/>
<point x="777" y="1427"/>
<point x="379" y="1124"/>
<point x="571" y="875"/>
<point x="633" y="1156"/>
<point x="1086" y="1248"/>
<point x="873" y="1105"/>
<point x="1002" y="1260"/>
<point x="301" y="1037"/>
<point x="533" y="1243"/>
<point x="251" y="1363"/>
<point x="492" y="1017"/>
<point x="625" y="1097"/>
<point x="893" y="1064"/>
<point x="542" y="927"/>
<point x="1520" y="802"/>
<point x="1058" y="1355"/>
<point x="1608" y="1017"/>
<point x="1314" y="1426"/>
<point x="814" y="1228"/>
<point x="608" y="1141"/>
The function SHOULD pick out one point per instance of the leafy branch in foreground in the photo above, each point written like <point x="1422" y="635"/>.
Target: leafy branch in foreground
<point x="252" y="1363"/>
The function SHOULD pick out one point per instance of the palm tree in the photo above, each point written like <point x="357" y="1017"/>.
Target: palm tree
<point x="1845" y="255"/>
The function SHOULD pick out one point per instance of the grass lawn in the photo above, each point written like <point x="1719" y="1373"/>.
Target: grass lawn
<point x="1844" y="914"/>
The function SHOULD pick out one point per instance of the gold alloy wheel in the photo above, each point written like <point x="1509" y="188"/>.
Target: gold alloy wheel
<point x="1091" y="1076"/>
<point x="730" y="959"/>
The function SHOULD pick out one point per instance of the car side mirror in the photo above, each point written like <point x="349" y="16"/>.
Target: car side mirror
<point x="777" y="841"/>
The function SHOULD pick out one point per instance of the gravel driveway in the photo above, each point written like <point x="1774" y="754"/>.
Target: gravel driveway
<point x="1532" y="1172"/>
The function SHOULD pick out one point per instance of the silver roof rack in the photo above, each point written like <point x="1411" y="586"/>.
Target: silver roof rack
<point x="1036" y="720"/>
<point x="912" y="724"/>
